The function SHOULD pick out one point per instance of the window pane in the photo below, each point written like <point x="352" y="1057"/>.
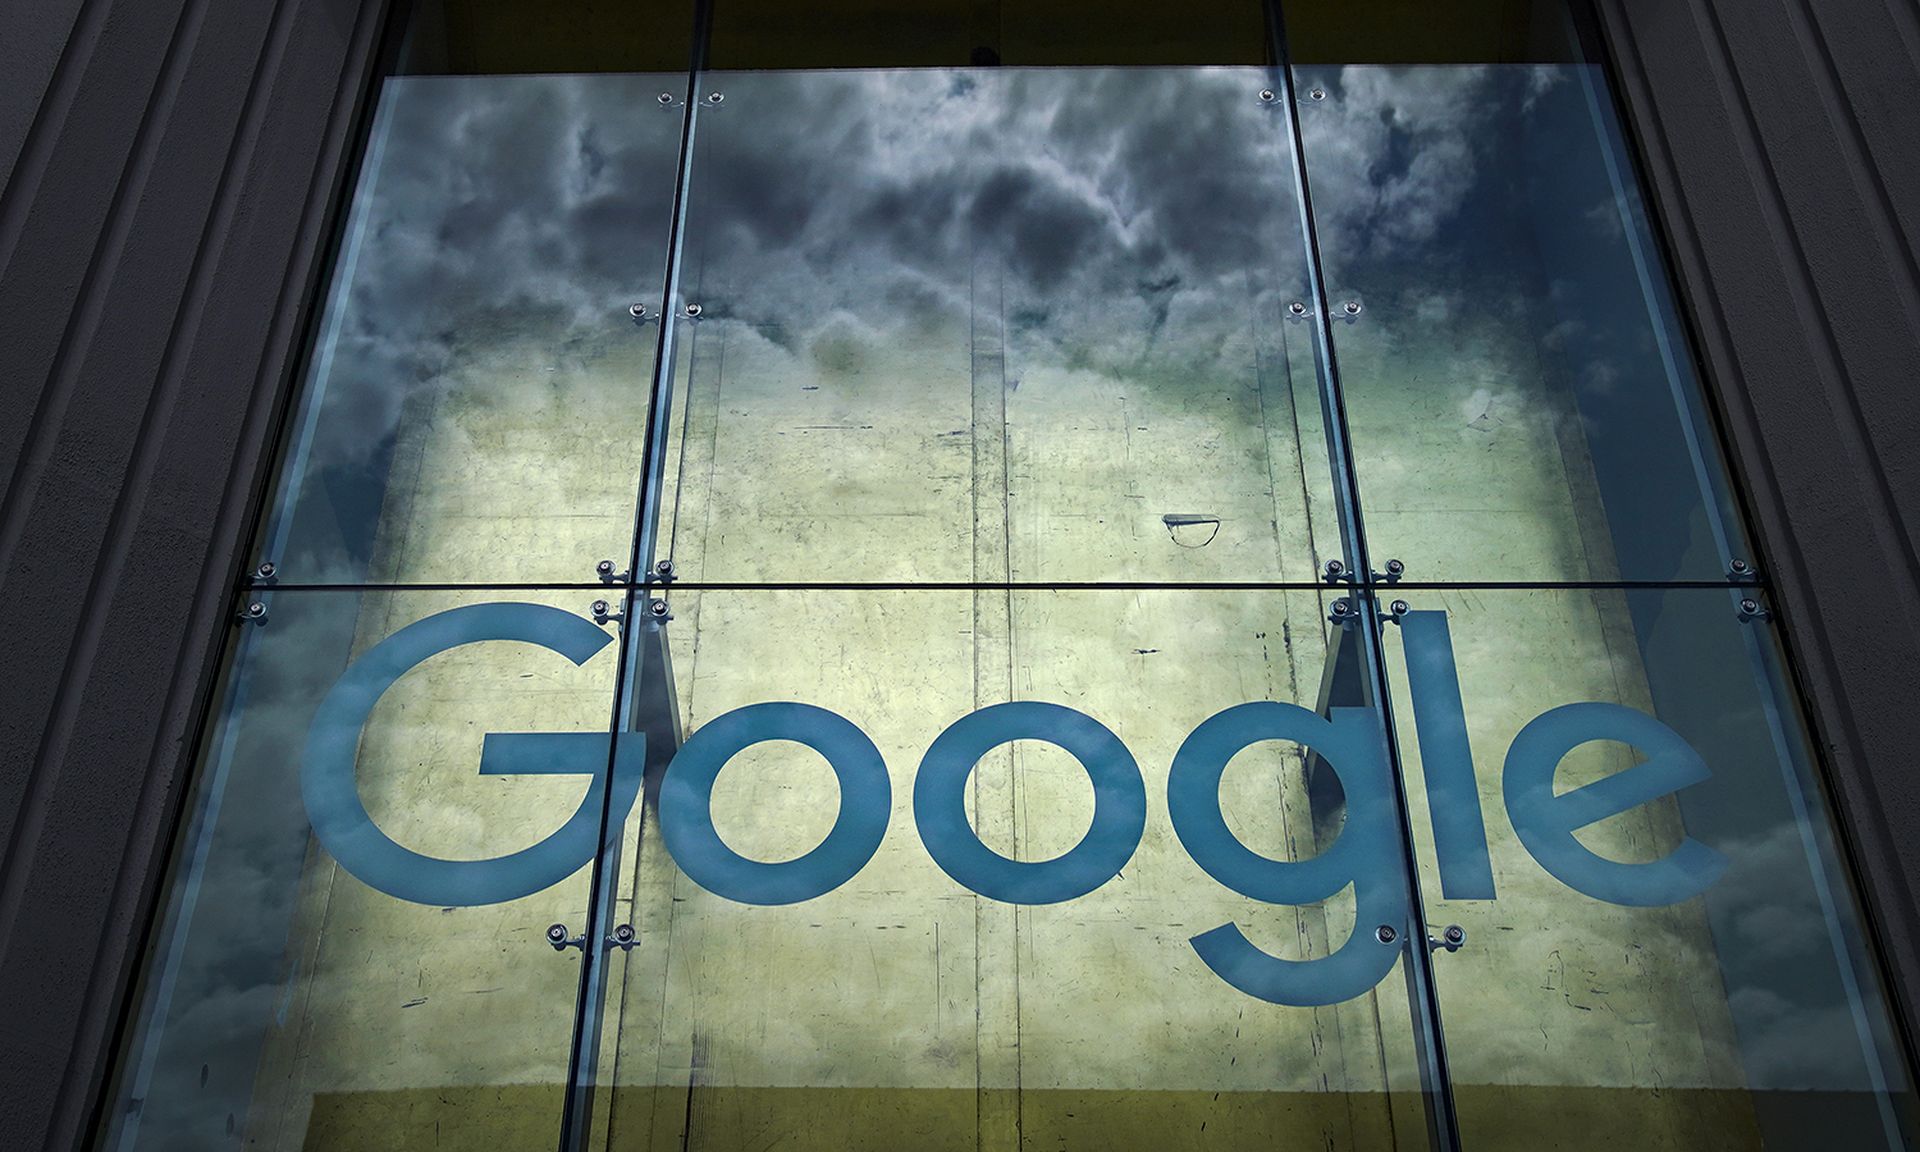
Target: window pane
<point x="334" y="972"/>
<point x="1522" y="401"/>
<point x="995" y="324"/>
<point x="901" y="1006"/>
<point x="476" y="408"/>
<point x="1670" y="958"/>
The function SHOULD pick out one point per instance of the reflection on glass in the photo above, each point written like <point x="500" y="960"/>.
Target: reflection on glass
<point x="903" y="1008"/>
<point x="983" y="326"/>
<point x="476" y="409"/>
<point x="1518" y="386"/>
<point x="294" y="1001"/>
<point x="1687" y="970"/>
<point x="995" y="324"/>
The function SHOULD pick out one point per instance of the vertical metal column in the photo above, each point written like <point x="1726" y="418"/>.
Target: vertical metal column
<point x="643" y="642"/>
<point x="1422" y="996"/>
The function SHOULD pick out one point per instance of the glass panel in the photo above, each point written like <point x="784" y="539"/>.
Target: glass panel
<point x="984" y="325"/>
<point x="355" y="954"/>
<point x="1522" y="402"/>
<point x="979" y="976"/>
<point x="1661" y="950"/>
<point x="476" y="408"/>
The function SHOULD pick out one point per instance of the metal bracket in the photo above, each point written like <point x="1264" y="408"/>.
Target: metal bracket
<point x="1342" y="611"/>
<point x="1751" y="610"/>
<point x="1741" y="572"/>
<point x="1395" y="570"/>
<point x="663" y="571"/>
<point x="1348" y="311"/>
<point x="1452" y="937"/>
<point x="609" y="573"/>
<point x="1297" y="312"/>
<point x="623" y="938"/>
<point x="267" y="573"/>
<point x="557" y="936"/>
<point x="667" y="100"/>
<point x="693" y="311"/>
<point x="659" y="611"/>
<point x="713" y="100"/>
<point x="1396" y="611"/>
<point x="1336" y="572"/>
<point x="603" y="612"/>
<point x="1317" y="94"/>
<point x="254" y="613"/>
<point x="641" y="315"/>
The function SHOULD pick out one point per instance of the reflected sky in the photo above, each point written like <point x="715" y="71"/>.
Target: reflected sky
<point x="1139" y="226"/>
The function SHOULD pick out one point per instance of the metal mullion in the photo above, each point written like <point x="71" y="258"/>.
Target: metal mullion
<point x="589" y="1003"/>
<point x="1423" y="995"/>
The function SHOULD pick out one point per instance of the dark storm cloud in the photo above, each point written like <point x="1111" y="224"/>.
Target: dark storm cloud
<point x="1135" y="223"/>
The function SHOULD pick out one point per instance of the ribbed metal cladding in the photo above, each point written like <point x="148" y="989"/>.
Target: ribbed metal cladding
<point x="170" y="169"/>
<point x="1780" y="139"/>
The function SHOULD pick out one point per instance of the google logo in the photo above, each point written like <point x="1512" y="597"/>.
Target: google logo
<point x="1366" y="853"/>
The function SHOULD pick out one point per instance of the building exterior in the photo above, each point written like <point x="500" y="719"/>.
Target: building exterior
<point x="840" y="574"/>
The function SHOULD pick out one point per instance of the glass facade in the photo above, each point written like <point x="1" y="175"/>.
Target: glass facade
<point x="857" y="575"/>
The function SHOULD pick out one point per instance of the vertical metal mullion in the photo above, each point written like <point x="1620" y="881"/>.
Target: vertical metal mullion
<point x="583" y="1059"/>
<point x="1422" y="994"/>
<point x="660" y="403"/>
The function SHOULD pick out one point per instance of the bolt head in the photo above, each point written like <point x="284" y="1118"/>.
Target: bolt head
<point x="1266" y="96"/>
<point x="1396" y="568"/>
<point x="1316" y="93"/>
<point x="1341" y="608"/>
<point x="664" y="567"/>
<point x="1454" y="934"/>
<point x="557" y="933"/>
<point x="1351" y="307"/>
<point x="1749" y="606"/>
<point x="1297" y="308"/>
<point x="693" y="310"/>
<point x="601" y="607"/>
<point x="623" y="934"/>
<point x="1399" y="607"/>
<point x="665" y="98"/>
<point x="637" y="311"/>
<point x="658" y="607"/>
<point x="716" y="97"/>
<point x="1386" y="934"/>
<point x="605" y="567"/>
<point x="1336" y="569"/>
